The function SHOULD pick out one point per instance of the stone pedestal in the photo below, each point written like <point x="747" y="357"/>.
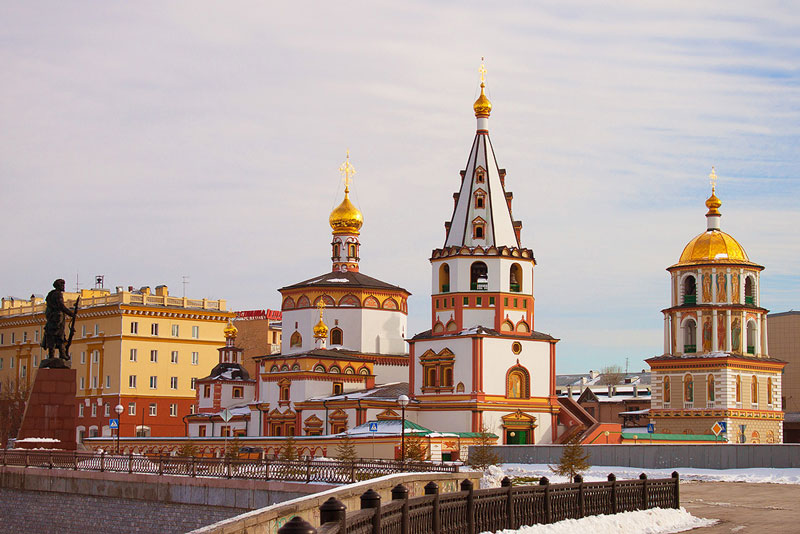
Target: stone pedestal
<point x="50" y="412"/>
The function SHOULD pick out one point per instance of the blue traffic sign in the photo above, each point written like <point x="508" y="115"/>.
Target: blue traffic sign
<point x="373" y="427"/>
<point x="651" y="428"/>
<point x="113" y="424"/>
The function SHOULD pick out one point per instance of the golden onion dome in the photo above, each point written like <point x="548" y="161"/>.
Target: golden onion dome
<point x="713" y="246"/>
<point x="346" y="218"/>
<point x="320" y="329"/>
<point x="230" y="330"/>
<point x="482" y="106"/>
<point x="713" y="204"/>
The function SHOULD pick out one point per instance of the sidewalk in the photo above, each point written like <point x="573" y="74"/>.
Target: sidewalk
<point x="744" y="507"/>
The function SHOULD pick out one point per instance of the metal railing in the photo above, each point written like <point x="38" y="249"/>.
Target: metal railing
<point x="471" y="511"/>
<point x="306" y="470"/>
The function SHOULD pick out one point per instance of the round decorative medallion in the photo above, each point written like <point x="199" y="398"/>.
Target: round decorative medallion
<point x="516" y="347"/>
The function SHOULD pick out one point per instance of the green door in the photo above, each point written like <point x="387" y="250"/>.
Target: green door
<point x="516" y="437"/>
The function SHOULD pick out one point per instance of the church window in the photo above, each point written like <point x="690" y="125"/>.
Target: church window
<point x="769" y="391"/>
<point x="447" y="378"/>
<point x="754" y="390"/>
<point x="296" y="340"/>
<point x="444" y="278"/>
<point x="288" y="303"/>
<point x="336" y="336"/>
<point x="466" y="301"/>
<point x="284" y="387"/>
<point x="352" y="251"/>
<point x="338" y="388"/>
<point x="507" y="326"/>
<point x="274" y="368"/>
<point x="336" y="251"/>
<point x="349" y="370"/>
<point x="690" y="336"/>
<point x="480" y="175"/>
<point x="667" y="390"/>
<point x="453" y="302"/>
<point x="478" y="228"/>
<point x="517" y="383"/>
<point x="284" y="367"/>
<point x="431" y="377"/>
<point x="303" y="302"/>
<point x="515" y="278"/>
<point x="363" y="371"/>
<point x="206" y="391"/>
<point x="516" y="347"/>
<point x="738" y="389"/>
<point x="479" y="276"/>
<point x="238" y="392"/>
<point x="478" y="201"/>
<point x="749" y="291"/>
<point x="437" y="370"/>
<point x="505" y="302"/>
<point x="751" y="337"/>
<point x="349" y="300"/>
<point x="319" y="368"/>
<point x="438" y="328"/>
<point x="689" y="290"/>
<point x="688" y="388"/>
<point x="478" y="301"/>
<point x="437" y="304"/>
<point x="451" y="326"/>
<point x="334" y="370"/>
<point x="460" y="387"/>
<point x="296" y="367"/>
<point x="710" y="387"/>
<point x="390" y="304"/>
<point x="491" y="301"/>
<point x="523" y="327"/>
<point x="516" y="303"/>
<point x="371" y="302"/>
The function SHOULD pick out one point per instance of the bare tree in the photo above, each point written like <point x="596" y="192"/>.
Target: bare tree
<point x="13" y="396"/>
<point x="611" y="375"/>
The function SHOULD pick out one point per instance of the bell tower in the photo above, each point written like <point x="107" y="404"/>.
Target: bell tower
<point x="346" y="221"/>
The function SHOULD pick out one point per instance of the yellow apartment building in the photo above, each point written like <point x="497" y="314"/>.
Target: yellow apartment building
<point x="134" y="348"/>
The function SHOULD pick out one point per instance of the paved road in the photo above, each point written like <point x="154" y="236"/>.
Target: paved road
<point x="744" y="508"/>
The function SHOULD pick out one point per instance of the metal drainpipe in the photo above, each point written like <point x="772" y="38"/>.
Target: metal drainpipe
<point x="325" y="405"/>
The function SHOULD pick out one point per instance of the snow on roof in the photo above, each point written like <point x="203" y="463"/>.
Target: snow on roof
<point x="636" y="412"/>
<point x="341" y="280"/>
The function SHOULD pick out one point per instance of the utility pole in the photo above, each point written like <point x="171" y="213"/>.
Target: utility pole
<point x="185" y="281"/>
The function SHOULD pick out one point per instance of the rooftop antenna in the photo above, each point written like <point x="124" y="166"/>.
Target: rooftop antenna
<point x="185" y="281"/>
<point x="626" y="365"/>
<point x="98" y="281"/>
<point x="77" y="282"/>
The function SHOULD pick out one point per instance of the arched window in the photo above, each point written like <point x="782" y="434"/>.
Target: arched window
<point x="667" y="390"/>
<point x="506" y="326"/>
<point x="749" y="291"/>
<point x="371" y="302"/>
<point x="319" y="368"/>
<point x="688" y="388"/>
<point x="710" y="388"/>
<point x="334" y="370"/>
<point x="690" y="336"/>
<point x="363" y="371"/>
<point x="480" y="175"/>
<point x="444" y="278"/>
<point x="769" y="391"/>
<point x="738" y="389"/>
<point x="284" y="367"/>
<point x="755" y="437"/>
<point x="352" y="251"/>
<point x="336" y="336"/>
<point x="517" y="383"/>
<point x="327" y="299"/>
<point x="336" y="250"/>
<point x="296" y="340"/>
<point x="303" y="302"/>
<point x="515" y="278"/>
<point x="460" y="387"/>
<point x="751" y="337"/>
<point x="296" y="367"/>
<point x="689" y="290"/>
<point x="390" y="304"/>
<point x="438" y="328"/>
<point x="288" y="303"/>
<point x="451" y="326"/>
<point x="349" y="300"/>
<point x="522" y="326"/>
<point x="479" y="277"/>
<point x="480" y="199"/>
<point x="447" y="380"/>
<point x="430" y="377"/>
<point x="478" y="228"/>
<point x="754" y="390"/>
<point x="274" y="368"/>
<point x="349" y="370"/>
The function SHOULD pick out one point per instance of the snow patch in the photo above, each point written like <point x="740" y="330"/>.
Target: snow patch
<point x="340" y="280"/>
<point x="652" y="521"/>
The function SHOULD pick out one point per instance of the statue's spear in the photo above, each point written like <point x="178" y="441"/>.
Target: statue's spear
<point x="72" y="326"/>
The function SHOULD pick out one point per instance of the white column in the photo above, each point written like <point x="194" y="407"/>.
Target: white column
<point x="699" y="286"/>
<point x="678" y="334"/>
<point x="757" y="289"/>
<point x="758" y="337"/>
<point x="714" y="344"/>
<point x="729" y="286"/>
<point x="728" y="331"/>
<point x="666" y="334"/>
<point x="764" y="337"/>
<point x="714" y="285"/>
<point x="741" y="286"/>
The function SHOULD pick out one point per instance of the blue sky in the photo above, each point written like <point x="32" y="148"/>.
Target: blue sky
<point x="153" y="140"/>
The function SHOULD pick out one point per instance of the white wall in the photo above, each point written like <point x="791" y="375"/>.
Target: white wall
<point x="498" y="358"/>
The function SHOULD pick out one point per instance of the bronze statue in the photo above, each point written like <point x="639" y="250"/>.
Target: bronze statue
<point x="54" y="337"/>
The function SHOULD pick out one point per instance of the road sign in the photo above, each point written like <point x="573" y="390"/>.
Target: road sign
<point x="113" y="424"/>
<point x="373" y="427"/>
<point x="651" y="428"/>
<point x="720" y="427"/>
<point x="226" y="415"/>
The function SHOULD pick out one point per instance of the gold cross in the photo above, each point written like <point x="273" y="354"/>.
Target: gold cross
<point x="348" y="171"/>
<point x="482" y="70"/>
<point x="321" y="306"/>
<point x="713" y="179"/>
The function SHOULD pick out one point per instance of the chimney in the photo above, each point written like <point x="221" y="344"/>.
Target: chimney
<point x="610" y="391"/>
<point x="162" y="291"/>
<point x="635" y="391"/>
<point x="569" y="391"/>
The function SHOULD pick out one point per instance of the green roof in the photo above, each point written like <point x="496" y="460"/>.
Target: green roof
<point x="672" y="437"/>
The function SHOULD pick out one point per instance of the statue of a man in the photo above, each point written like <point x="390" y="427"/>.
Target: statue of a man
<point x="54" y="328"/>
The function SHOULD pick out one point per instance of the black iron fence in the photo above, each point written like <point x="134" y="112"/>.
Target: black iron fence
<point x="471" y="511"/>
<point x="306" y="470"/>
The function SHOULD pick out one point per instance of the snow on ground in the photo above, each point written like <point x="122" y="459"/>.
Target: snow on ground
<point x="495" y="474"/>
<point x="653" y="521"/>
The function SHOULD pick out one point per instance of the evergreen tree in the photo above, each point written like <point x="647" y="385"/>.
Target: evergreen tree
<point x="482" y="455"/>
<point x="574" y="459"/>
<point x="289" y="451"/>
<point x="232" y="449"/>
<point x="346" y="450"/>
<point x="187" y="450"/>
<point x="415" y="447"/>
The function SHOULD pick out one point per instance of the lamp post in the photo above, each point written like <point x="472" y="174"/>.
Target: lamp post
<point x="402" y="400"/>
<point x="119" y="410"/>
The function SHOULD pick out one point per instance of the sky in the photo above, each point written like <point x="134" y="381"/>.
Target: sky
<point x="150" y="141"/>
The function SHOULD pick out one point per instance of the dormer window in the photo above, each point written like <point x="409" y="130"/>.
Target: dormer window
<point x="478" y="228"/>
<point x="480" y="199"/>
<point x="480" y="175"/>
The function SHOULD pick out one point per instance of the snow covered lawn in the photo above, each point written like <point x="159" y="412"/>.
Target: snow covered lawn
<point x="653" y="521"/>
<point x="597" y="473"/>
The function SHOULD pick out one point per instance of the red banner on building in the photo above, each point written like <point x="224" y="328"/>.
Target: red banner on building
<point x="252" y="315"/>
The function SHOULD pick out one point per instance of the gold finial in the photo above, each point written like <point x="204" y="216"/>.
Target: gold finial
<point x="347" y="171"/>
<point x="482" y="106"/>
<point x="230" y="331"/>
<point x="321" y="329"/>
<point x="712" y="177"/>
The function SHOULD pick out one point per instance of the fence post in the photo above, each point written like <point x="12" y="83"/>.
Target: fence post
<point x="352" y="470"/>
<point x="297" y="525"/>
<point x="432" y="488"/>
<point x="308" y="469"/>
<point x="371" y="499"/>
<point x="510" y="520"/>
<point x="581" y="510"/>
<point x="334" y="511"/>
<point x="194" y="467"/>
<point x="400" y="492"/>
<point x="130" y="462"/>
<point x="266" y="469"/>
<point x="676" y="481"/>
<point x="466" y="485"/>
<point x="160" y="464"/>
<point x="548" y="507"/>
<point x="613" y="479"/>
<point x="643" y="478"/>
<point x="75" y="461"/>
<point x="26" y="459"/>
<point x="50" y="460"/>
<point x="102" y="461"/>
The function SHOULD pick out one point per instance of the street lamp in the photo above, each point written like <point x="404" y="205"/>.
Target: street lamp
<point x="402" y="400"/>
<point x="119" y="409"/>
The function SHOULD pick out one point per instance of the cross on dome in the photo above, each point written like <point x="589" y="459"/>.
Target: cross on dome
<point x="347" y="171"/>
<point x="712" y="177"/>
